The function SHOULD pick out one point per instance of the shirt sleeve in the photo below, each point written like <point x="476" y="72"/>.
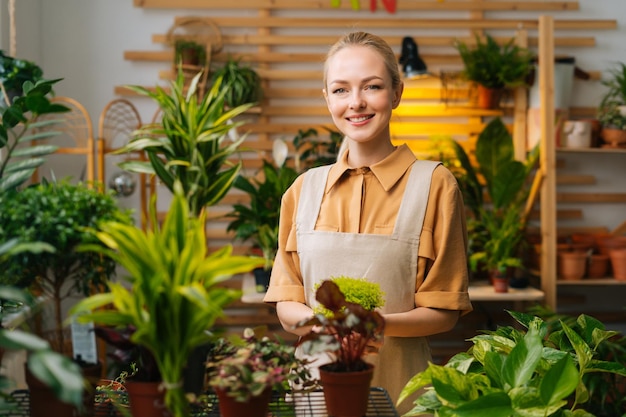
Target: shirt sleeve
<point x="442" y="274"/>
<point x="286" y="279"/>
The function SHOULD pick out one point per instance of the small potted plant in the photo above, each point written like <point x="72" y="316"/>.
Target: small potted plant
<point x="494" y="67"/>
<point x="189" y="53"/>
<point x="344" y="330"/>
<point x="612" y="110"/>
<point x="245" y="371"/>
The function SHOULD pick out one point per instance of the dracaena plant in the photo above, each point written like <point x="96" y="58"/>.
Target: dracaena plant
<point x="172" y="294"/>
<point x="191" y="143"/>
<point x="512" y="372"/>
<point x="344" y="330"/>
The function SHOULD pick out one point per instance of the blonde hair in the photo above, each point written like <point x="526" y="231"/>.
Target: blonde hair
<point x="377" y="43"/>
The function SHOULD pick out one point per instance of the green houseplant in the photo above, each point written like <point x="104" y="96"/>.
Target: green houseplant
<point x="612" y="109"/>
<point x="190" y="144"/>
<point x="257" y="220"/>
<point x="174" y="296"/>
<point x="60" y="215"/>
<point x="251" y="367"/>
<point x="494" y="66"/>
<point x="343" y="329"/>
<point x="21" y="150"/>
<point x="242" y="84"/>
<point x="14" y="72"/>
<point x="513" y="372"/>
<point x="496" y="225"/>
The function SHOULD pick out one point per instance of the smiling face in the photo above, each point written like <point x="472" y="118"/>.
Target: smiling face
<point x="360" y="94"/>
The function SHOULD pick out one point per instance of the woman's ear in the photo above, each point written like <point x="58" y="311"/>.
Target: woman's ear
<point x="325" y="93"/>
<point x="398" y="95"/>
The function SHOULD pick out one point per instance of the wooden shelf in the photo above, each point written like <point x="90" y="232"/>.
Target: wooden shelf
<point x="592" y="150"/>
<point x="483" y="291"/>
<point x="589" y="282"/>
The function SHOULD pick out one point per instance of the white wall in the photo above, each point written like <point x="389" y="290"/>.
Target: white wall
<point x="83" y="41"/>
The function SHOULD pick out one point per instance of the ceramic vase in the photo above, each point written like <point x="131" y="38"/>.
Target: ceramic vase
<point x="346" y="393"/>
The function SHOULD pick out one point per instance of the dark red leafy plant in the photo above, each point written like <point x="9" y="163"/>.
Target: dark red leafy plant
<point x="345" y="332"/>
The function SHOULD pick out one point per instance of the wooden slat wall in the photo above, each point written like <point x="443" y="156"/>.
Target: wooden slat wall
<point x="286" y="40"/>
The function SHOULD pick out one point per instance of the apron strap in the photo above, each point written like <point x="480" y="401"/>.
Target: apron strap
<point x="310" y="202"/>
<point x="413" y="206"/>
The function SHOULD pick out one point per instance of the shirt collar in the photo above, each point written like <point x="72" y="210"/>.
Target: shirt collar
<point x="388" y="171"/>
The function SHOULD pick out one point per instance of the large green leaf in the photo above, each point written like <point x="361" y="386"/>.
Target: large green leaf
<point x="559" y="382"/>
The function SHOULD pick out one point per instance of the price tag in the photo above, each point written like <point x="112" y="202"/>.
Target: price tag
<point x="84" y="341"/>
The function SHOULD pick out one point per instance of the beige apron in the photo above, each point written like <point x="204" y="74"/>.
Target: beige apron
<point x="390" y="260"/>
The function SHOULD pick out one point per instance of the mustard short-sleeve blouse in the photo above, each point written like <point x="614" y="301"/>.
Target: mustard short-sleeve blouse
<point x="367" y="200"/>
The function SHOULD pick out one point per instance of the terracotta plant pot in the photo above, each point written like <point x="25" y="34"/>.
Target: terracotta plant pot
<point x="488" y="98"/>
<point x="255" y="407"/>
<point x="614" y="138"/>
<point x="618" y="263"/>
<point x="146" y="399"/>
<point x="572" y="265"/>
<point x="346" y="393"/>
<point x="598" y="266"/>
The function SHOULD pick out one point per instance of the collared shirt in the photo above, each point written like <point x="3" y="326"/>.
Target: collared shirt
<point x="367" y="200"/>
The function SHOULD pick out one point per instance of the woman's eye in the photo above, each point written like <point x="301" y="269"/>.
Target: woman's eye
<point x="339" y="91"/>
<point x="373" y="87"/>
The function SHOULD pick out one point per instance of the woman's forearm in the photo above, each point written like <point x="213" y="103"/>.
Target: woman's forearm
<point x="292" y="312"/>
<point x="419" y="322"/>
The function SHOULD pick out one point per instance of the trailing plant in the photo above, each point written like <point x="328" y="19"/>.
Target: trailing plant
<point x="493" y="65"/>
<point x="172" y="294"/>
<point x="246" y="367"/>
<point x="189" y="145"/>
<point x="357" y="290"/>
<point x="344" y="333"/>
<point x="511" y="372"/>
<point x="21" y="147"/>
<point x="242" y="84"/>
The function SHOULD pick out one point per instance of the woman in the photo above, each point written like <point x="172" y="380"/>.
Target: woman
<point x="377" y="214"/>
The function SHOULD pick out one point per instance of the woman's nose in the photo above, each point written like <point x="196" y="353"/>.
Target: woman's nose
<point x="357" y="101"/>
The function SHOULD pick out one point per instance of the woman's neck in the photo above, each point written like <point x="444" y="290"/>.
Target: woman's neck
<point x="363" y="155"/>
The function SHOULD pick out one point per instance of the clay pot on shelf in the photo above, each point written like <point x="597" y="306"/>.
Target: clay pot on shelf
<point x="572" y="265"/>
<point x="618" y="263"/>
<point x="598" y="266"/>
<point x="606" y="243"/>
<point x="614" y="138"/>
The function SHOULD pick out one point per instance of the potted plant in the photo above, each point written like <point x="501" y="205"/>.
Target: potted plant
<point x="241" y="83"/>
<point x="19" y="126"/>
<point x="496" y="225"/>
<point x="356" y="290"/>
<point x="344" y="331"/>
<point x="190" y="144"/>
<point x="612" y="110"/>
<point x="57" y="372"/>
<point x="256" y="220"/>
<point x="494" y="67"/>
<point x="63" y="216"/>
<point x="244" y="372"/>
<point x="189" y="53"/>
<point x="14" y="72"/>
<point x="311" y="152"/>
<point x="174" y="296"/>
<point x="518" y="372"/>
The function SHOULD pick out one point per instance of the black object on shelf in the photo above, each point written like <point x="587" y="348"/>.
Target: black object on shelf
<point x="309" y="404"/>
